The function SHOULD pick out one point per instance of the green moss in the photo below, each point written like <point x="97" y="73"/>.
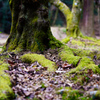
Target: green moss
<point x="91" y="41"/>
<point x="36" y="99"/>
<point x="86" y="63"/>
<point x="66" y="54"/>
<point x="66" y="40"/>
<point x="5" y="85"/>
<point x="2" y="58"/>
<point x="13" y="44"/>
<point x="84" y="47"/>
<point x="54" y="43"/>
<point x="98" y="55"/>
<point x="79" y="43"/>
<point x="89" y="38"/>
<point x="31" y="58"/>
<point x="97" y="95"/>
<point x="81" y="52"/>
<point x="69" y="94"/>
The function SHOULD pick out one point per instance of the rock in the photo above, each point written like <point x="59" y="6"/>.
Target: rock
<point x="59" y="72"/>
<point x="93" y="92"/>
<point x="96" y="86"/>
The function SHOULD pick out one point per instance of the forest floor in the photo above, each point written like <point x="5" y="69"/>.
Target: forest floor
<point x="35" y="81"/>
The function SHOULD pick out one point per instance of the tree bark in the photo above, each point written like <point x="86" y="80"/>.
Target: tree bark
<point x="30" y="28"/>
<point x="72" y="17"/>
<point x="88" y="18"/>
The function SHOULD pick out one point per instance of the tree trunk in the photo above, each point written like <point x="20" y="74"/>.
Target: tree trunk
<point x="88" y="16"/>
<point x="72" y="17"/>
<point x="73" y="22"/>
<point x="30" y="28"/>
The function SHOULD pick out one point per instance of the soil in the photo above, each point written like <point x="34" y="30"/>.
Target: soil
<point x="3" y="38"/>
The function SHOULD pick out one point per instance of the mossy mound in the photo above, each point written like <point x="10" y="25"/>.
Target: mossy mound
<point x="66" y="54"/>
<point x="31" y="58"/>
<point x="86" y="63"/>
<point x="66" y="40"/>
<point x="87" y="43"/>
<point x="86" y="48"/>
<point x="6" y="92"/>
<point x="81" y="61"/>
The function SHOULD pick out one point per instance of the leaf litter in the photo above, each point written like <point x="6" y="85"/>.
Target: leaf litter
<point x="30" y="81"/>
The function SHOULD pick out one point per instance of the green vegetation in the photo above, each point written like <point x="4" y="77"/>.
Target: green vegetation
<point x="66" y="40"/>
<point x="97" y="95"/>
<point x="70" y="94"/>
<point x="86" y="63"/>
<point x="82" y="60"/>
<point x="6" y="92"/>
<point x="31" y="58"/>
<point x="66" y="54"/>
<point x="77" y="42"/>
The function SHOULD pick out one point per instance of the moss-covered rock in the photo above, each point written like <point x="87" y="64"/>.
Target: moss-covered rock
<point x="6" y="92"/>
<point x="31" y="58"/>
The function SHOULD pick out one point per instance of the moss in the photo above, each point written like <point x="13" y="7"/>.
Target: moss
<point x="81" y="52"/>
<point x="91" y="41"/>
<point x="89" y="38"/>
<point x="79" y="43"/>
<point x="3" y="57"/>
<point x="86" y="63"/>
<point x="6" y="92"/>
<point x="84" y="47"/>
<point x="66" y="54"/>
<point x="31" y="58"/>
<point x="98" y="55"/>
<point x="54" y="43"/>
<point x="13" y="44"/>
<point x="97" y="95"/>
<point x="66" y="40"/>
<point x="36" y="99"/>
<point x="69" y="94"/>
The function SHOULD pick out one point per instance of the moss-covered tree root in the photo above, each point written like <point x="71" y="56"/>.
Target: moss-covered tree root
<point x="31" y="58"/>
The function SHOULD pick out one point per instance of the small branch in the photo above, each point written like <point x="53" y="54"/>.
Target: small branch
<point x="62" y="7"/>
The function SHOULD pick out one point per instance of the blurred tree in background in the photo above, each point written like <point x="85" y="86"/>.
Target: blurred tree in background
<point x="88" y="18"/>
<point x="5" y="16"/>
<point x="55" y="15"/>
